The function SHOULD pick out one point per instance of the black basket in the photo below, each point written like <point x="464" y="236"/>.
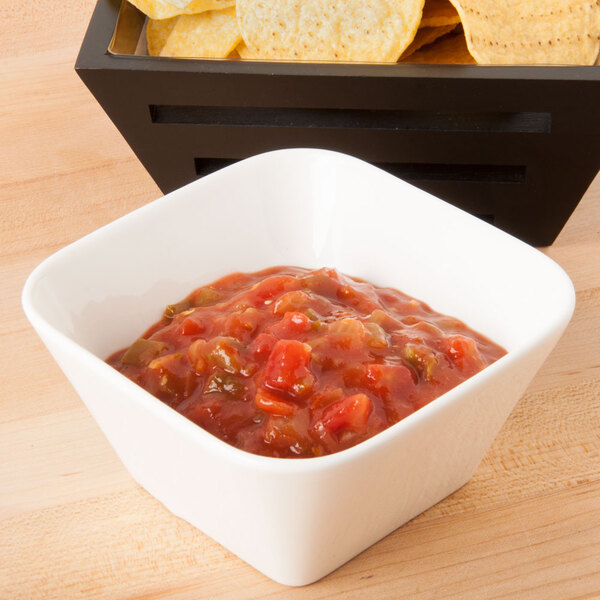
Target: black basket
<point x="516" y="146"/>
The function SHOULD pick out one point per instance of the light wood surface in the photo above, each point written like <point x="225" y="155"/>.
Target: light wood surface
<point x="73" y="524"/>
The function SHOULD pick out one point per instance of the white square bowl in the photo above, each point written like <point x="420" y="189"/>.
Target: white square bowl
<point x="296" y="520"/>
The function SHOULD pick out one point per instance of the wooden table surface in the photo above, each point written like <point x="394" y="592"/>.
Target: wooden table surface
<point x="73" y="524"/>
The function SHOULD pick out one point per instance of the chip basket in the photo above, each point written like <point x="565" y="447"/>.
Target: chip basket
<point x="517" y="146"/>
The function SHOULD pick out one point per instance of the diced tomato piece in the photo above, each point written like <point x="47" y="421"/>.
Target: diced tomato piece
<point x="233" y="281"/>
<point x="287" y="368"/>
<point x="358" y="296"/>
<point x="351" y="412"/>
<point x="261" y="346"/>
<point x="292" y="325"/>
<point x="325" y="354"/>
<point x="297" y="322"/>
<point x="272" y="403"/>
<point x="196" y="355"/>
<point x="218" y="414"/>
<point x="290" y="301"/>
<point x="192" y="325"/>
<point x="325" y="397"/>
<point x="325" y="282"/>
<point x="241" y="324"/>
<point x="376" y="336"/>
<point x="384" y="320"/>
<point x="204" y="415"/>
<point x="287" y="436"/>
<point x="167" y="362"/>
<point x="354" y="375"/>
<point x="463" y="352"/>
<point x="312" y="305"/>
<point x="386" y="380"/>
<point x="347" y="334"/>
<point x="269" y="288"/>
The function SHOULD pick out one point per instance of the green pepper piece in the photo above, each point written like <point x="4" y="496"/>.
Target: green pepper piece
<point x="311" y="314"/>
<point x="224" y="383"/>
<point x="316" y="325"/>
<point x="223" y="352"/>
<point x="141" y="352"/>
<point x="206" y="296"/>
<point x="421" y="358"/>
<point x="175" y="309"/>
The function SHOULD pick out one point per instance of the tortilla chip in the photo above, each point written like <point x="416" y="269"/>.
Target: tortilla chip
<point x="347" y="30"/>
<point x="157" y="33"/>
<point x="211" y="34"/>
<point x="531" y="31"/>
<point x="243" y="50"/>
<point x="162" y="9"/>
<point x="449" y="50"/>
<point x="411" y="13"/>
<point x="425" y="36"/>
<point x="438" y="13"/>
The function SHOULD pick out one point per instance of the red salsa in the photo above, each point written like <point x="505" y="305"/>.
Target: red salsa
<point x="289" y="362"/>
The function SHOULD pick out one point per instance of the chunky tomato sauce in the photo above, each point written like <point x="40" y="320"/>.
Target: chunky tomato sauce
<point x="289" y="362"/>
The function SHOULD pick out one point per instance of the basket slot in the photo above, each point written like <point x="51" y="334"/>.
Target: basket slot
<point x="334" y="118"/>
<point x="457" y="172"/>
<point x="478" y="174"/>
<point x="414" y="171"/>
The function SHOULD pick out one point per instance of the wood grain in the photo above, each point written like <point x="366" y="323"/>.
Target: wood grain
<point x="72" y="522"/>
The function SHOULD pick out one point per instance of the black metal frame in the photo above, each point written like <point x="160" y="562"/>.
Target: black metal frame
<point x="517" y="146"/>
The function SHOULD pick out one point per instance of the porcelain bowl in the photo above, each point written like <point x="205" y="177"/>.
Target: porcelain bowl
<point x="296" y="520"/>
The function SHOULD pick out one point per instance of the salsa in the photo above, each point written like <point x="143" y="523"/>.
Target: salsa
<point x="289" y="362"/>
